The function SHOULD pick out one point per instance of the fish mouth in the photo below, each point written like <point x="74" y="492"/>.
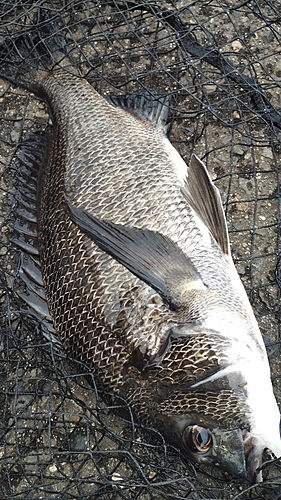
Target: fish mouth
<point x="254" y="448"/>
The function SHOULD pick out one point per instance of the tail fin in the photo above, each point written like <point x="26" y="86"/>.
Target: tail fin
<point x="39" y="46"/>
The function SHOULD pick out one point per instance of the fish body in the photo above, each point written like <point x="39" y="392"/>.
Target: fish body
<point x="139" y="279"/>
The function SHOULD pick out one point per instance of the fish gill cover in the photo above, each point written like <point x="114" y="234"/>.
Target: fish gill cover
<point x="220" y="65"/>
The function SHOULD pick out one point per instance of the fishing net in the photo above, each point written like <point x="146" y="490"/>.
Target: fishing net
<point x="220" y="63"/>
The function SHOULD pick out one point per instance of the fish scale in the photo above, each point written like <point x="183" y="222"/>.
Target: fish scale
<point x="139" y="280"/>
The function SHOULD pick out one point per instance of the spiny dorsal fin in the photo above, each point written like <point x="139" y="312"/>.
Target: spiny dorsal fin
<point x="155" y="109"/>
<point x="204" y="197"/>
<point x="149" y="255"/>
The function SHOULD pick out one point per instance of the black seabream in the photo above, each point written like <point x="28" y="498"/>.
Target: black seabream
<point x="138" y="276"/>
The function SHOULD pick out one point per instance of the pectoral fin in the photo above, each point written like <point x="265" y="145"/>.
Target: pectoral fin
<point x="204" y="197"/>
<point x="149" y="255"/>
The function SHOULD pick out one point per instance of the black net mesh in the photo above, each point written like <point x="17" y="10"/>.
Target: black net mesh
<point x="220" y="63"/>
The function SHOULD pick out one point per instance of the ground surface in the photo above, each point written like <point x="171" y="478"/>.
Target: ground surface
<point x="58" y="437"/>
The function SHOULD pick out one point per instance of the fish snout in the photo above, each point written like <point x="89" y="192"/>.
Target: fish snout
<point x="229" y="452"/>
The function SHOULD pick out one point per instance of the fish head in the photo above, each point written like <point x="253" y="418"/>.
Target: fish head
<point x="216" y="403"/>
<point x="206" y="441"/>
<point x="209" y="442"/>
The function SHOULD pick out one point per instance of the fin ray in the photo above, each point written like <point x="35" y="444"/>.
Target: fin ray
<point x="31" y="268"/>
<point x="149" y="255"/>
<point x="153" y="108"/>
<point x="30" y="158"/>
<point x="204" y="197"/>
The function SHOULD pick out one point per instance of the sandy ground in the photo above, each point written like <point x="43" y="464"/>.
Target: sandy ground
<point x="59" y="439"/>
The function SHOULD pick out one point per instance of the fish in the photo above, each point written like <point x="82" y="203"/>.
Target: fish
<point x="132" y="268"/>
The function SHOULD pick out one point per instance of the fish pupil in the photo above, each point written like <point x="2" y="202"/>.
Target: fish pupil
<point x="203" y="437"/>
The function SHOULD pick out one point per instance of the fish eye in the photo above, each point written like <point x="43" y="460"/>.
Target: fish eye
<point x="197" y="438"/>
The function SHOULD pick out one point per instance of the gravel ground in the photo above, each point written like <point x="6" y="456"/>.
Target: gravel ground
<point x="59" y="438"/>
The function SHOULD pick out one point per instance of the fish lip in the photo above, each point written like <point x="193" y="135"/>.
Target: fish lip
<point x="254" y="447"/>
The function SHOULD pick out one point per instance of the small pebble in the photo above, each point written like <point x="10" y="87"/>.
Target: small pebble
<point x="236" y="45"/>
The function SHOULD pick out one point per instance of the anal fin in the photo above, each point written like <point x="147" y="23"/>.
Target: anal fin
<point x="145" y="105"/>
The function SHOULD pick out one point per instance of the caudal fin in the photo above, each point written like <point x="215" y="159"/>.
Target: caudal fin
<point x="39" y="46"/>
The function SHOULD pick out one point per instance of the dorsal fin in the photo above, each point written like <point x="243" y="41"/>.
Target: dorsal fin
<point x="153" y="108"/>
<point x="30" y="158"/>
<point x="204" y="197"/>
